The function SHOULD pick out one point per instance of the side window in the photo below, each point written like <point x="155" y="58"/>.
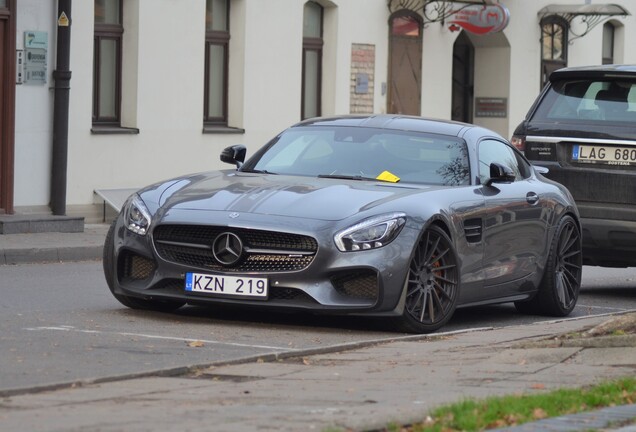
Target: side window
<point x="217" y="39"/>
<point x="107" y="62"/>
<point x="491" y="150"/>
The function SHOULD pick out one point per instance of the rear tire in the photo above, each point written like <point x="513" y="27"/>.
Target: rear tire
<point x="561" y="282"/>
<point x="432" y="285"/>
<point x="108" y="262"/>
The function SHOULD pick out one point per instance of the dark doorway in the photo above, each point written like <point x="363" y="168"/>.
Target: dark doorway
<point x="405" y="63"/>
<point x="463" y="78"/>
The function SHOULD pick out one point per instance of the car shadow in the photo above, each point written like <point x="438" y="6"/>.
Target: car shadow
<point x="463" y="319"/>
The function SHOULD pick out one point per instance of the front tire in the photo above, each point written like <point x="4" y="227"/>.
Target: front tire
<point x="108" y="262"/>
<point x="561" y="282"/>
<point x="432" y="285"/>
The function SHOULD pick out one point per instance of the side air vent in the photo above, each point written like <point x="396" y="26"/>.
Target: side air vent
<point x="473" y="230"/>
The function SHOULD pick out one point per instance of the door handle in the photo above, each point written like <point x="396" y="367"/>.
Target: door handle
<point x="532" y="198"/>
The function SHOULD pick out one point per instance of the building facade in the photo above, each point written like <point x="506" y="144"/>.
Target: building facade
<point x="158" y="88"/>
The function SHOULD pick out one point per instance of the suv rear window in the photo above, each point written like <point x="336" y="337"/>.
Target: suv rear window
<point x="589" y="100"/>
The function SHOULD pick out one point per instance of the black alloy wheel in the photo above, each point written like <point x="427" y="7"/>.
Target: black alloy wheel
<point x="432" y="285"/>
<point x="561" y="283"/>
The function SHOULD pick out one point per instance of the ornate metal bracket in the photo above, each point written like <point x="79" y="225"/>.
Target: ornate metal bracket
<point x="434" y="10"/>
<point x="585" y="16"/>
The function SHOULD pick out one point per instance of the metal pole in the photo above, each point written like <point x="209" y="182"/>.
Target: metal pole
<point x="62" y="77"/>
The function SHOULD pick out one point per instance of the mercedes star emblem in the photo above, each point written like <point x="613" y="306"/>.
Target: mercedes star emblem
<point x="227" y="248"/>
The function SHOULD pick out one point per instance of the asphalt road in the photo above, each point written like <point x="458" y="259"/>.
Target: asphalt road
<point x="59" y="324"/>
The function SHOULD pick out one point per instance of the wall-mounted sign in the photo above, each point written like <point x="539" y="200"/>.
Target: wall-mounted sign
<point x="491" y="107"/>
<point x="480" y="19"/>
<point x="362" y="83"/>
<point x="35" y="57"/>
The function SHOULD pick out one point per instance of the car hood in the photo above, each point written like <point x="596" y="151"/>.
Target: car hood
<point x="276" y="195"/>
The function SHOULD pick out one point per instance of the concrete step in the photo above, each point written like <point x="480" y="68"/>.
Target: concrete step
<point x="40" y="223"/>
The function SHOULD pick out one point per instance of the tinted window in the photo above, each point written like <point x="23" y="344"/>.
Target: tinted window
<point x="496" y="151"/>
<point x="588" y="100"/>
<point x="366" y="152"/>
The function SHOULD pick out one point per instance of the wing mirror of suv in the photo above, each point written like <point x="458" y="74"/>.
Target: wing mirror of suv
<point x="500" y="173"/>
<point x="234" y="155"/>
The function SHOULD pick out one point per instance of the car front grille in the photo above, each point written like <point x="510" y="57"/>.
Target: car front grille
<point x="263" y="251"/>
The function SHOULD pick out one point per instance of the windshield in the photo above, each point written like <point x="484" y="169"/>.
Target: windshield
<point x="590" y="100"/>
<point x="365" y="154"/>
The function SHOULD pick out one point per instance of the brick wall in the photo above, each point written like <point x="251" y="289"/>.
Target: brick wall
<point x="362" y="78"/>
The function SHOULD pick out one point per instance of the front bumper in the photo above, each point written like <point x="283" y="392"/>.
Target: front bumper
<point x="367" y="282"/>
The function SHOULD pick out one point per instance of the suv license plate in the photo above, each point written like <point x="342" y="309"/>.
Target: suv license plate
<point x="604" y="154"/>
<point x="227" y="286"/>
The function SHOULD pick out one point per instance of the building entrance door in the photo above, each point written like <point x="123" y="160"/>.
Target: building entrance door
<point x="463" y="78"/>
<point x="405" y="64"/>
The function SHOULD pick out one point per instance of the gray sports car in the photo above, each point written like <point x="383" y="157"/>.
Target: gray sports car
<point x="385" y="215"/>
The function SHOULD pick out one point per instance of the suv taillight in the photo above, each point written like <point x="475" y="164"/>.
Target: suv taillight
<point x="519" y="141"/>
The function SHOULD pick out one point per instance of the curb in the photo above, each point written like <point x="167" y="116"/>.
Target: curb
<point x="54" y="254"/>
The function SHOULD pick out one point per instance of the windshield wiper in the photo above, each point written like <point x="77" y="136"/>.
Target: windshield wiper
<point x="255" y="171"/>
<point x="348" y="177"/>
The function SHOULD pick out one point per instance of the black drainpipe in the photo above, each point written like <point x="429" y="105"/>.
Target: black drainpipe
<point x="62" y="77"/>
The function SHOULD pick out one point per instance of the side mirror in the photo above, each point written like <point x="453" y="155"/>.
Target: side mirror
<point x="500" y="174"/>
<point x="234" y="155"/>
<point x="540" y="169"/>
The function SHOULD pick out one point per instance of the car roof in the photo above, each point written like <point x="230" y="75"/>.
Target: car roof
<point x="395" y="122"/>
<point x="603" y="71"/>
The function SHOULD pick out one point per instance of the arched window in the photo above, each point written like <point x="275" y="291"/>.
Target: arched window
<point x="554" y="46"/>
<point x="312" y="60"/>
<point x="608" y="43"/>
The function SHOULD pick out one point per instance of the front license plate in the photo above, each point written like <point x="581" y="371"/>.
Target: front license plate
<point x="227" y="286"/>
<point x="604" y="154"/>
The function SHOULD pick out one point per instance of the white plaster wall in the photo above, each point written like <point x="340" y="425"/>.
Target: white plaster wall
<point x="364" y="22"/>
<point x="163" y="83"/>
<point x="492" y="80"/>
<point x="34" y="111"/>
<point x="273" y="59"/>
<point x="437" y="71"/>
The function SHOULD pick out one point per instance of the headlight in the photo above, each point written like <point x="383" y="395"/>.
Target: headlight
<point x="136" y="215"/>
<point x="371" y="233"/>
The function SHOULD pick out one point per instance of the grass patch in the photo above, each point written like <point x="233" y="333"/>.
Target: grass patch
<point x="497" y="412"/>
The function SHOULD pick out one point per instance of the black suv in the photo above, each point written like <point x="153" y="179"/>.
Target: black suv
<point x="582" y="127"/>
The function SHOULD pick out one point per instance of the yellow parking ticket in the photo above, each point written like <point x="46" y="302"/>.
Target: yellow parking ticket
<point x="388" y="177"/>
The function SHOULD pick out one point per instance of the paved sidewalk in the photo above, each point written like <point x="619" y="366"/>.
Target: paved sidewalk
<point x="53" y="246"/>
<point x="348" y="387"/>
<point x="357" y="389"/>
